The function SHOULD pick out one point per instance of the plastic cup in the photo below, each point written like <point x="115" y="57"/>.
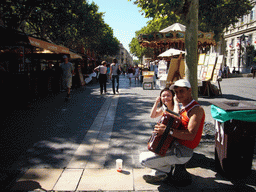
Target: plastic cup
<point x="119" y="165"/>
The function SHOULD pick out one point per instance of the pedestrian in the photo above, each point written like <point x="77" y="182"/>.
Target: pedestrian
<point x="171" y="167"/>
<point x="102" y="70"/>
<point x="114" y="67"/>
<point x="108" y="72"/>
<point x="137" y="73"/>
<point x="130" y="73"/>
<point x="156" y="71"/>
<point x="67" y="72"/>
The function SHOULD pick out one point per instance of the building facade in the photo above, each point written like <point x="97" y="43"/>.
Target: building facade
<point x="240" y="41"/>
<point x="123" y="57"/>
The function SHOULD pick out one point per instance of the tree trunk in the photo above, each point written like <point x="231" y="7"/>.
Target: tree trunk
<point x="191" y="45"/>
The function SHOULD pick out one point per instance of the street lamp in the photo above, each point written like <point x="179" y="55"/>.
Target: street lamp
<point x="242" y="38"/>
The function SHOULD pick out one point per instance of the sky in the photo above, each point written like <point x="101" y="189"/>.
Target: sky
<point x="123" y="17"/>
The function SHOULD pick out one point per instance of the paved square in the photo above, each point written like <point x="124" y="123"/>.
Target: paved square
<point x="69" y="180"/>
<point x="106" y="179"/>
<point x="38" y="179"/>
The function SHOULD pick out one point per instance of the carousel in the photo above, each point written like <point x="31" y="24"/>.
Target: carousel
<point x="173" y="37"/>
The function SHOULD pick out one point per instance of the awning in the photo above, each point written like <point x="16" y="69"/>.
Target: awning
<point x="75" y="56"/>
<point x="49" y="46"/>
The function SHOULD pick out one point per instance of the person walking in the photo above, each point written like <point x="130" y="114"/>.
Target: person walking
<point x="137" y="73"/>
<point x="114" y="67"/>
<point x="102" y="69"/>
<point x="130" y="73"/>
<point x="67" y="72"/>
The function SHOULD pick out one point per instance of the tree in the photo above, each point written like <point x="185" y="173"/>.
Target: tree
<point x="13" y="13"/>
<point x="154" y="25"/>
<point x="187" y="10"/>
<point x="75" y="24"/>
<point x="108" y="44"/>
<point x="213" y="16"/>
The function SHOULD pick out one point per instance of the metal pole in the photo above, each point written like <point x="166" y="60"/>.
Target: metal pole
<point x="239" y="58"/>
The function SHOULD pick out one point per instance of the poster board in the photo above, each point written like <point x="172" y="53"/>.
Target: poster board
<point x="162" y="68"/>
<point x="217" y="68"/>
<point x="209" y="73"/>
<point x="199" y="69"/>
<point x="201" y="59"/>
<point x="200" y="66"/>
<point x="201" y="72"/>
<point x="174" y="66"/>
<point x="206" y="60"/>
<point x="212" y="59"/>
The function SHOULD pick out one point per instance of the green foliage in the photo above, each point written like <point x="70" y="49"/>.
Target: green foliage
<point x="220" y="14"/>
<point x="72" y="23"/>
<point x="154" y="25"/>
<point x="213" y="16"/>
<point x="250" y="51"/>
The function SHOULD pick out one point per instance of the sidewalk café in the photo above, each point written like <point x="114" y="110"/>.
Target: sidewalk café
<point x="31" y="66"/>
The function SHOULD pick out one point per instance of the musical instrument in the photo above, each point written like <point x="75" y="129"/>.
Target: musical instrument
<point x="160" y="144"/>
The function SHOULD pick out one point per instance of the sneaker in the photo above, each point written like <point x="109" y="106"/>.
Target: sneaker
<point x="154" y="178"/>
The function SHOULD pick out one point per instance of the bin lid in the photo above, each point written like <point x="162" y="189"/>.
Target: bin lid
<point x="239" y="110"/>
<point x="236" y="105"/>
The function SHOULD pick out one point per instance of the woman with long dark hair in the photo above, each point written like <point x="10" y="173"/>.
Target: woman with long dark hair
<point x="167" y="98"/>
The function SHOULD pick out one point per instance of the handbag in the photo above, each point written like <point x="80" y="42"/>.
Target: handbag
<point x="118" y="71"/>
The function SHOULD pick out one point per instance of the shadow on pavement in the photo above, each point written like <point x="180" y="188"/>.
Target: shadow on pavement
<point x="46" y="133"/>
<point x="236" y="97"/>
<point x="214" y="182"/>
<point x="27" y="186"/>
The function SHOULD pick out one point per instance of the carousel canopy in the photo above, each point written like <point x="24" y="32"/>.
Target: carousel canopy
<point x="171" y="52"/>
<point x="173" y="37"/>
<point x="174" y="27"/>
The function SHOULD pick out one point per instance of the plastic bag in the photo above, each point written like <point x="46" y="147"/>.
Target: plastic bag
<point x="222" y="116"/>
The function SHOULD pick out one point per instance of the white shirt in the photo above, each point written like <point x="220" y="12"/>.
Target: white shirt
<point x="102" y="69"/>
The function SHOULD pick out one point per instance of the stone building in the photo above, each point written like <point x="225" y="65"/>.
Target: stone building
<point x="240" y="41"/>
<point x="124" y="57"/>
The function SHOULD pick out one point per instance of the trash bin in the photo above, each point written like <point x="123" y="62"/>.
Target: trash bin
<point x="235" y="124"/>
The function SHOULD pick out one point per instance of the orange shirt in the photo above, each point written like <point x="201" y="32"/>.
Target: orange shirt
<point x="184" y="121"/>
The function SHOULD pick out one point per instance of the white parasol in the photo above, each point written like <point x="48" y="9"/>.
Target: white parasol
<point x="171" y="52"/>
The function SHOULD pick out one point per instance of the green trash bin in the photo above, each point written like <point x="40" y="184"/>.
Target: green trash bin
<point x="235" y="124"/>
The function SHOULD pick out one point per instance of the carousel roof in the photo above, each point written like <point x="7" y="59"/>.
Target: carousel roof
<point x="174" y="36"/>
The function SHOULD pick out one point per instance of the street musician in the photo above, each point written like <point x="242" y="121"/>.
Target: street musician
<point x="171" y="167"/>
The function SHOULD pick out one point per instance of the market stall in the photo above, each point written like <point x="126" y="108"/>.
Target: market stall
<point x="30" y="64"/>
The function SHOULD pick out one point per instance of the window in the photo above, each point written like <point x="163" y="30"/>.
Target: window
<point x="249" y="42"/>
<point x="252" y="14"/>
<point x="242" y="20"/>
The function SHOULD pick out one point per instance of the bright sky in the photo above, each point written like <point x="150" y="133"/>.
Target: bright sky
<point x="123" y="17"/>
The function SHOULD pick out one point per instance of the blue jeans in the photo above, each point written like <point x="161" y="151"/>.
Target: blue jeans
<point x="113" y="83"/>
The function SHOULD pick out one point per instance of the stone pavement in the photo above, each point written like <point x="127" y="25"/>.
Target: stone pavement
<point x="120" y="129"/>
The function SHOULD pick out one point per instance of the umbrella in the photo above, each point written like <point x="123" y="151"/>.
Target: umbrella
<point x="174" y="27"/>
<point x="171" y="52"/>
